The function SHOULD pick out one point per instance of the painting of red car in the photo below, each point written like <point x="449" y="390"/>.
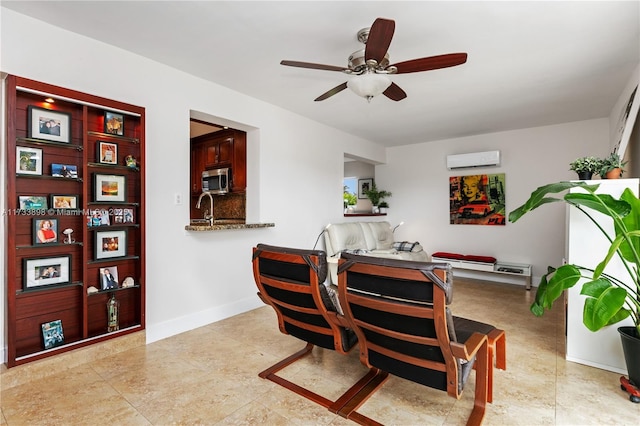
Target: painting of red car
<point x="475" y="208"/>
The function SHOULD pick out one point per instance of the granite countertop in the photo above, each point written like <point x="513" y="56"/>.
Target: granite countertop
<point x="223" y="226"/>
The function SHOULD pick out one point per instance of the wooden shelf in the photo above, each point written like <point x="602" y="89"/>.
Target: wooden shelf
<point x="84" y="317"/>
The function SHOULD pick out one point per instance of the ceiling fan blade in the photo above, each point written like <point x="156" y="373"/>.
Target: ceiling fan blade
<point x="331" y="92"/>
<point x="431" y="63"/>
<point x="379" y="39"/>
<point x="312" y="66"/>
<point x="394" y="92"/>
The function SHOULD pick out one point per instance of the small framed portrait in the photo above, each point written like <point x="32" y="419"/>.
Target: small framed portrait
<point x="52" y="334"/>
<point x="49" y="125"/>
<point x="363" y="186"/>
<point x="127" y="216"/>
<point x="109" y="278"/>
<point x="110" y="188"/>
<point x="64" y="201"/>
<point x="32" y="202"/>
<point x="113" y="123"/>
<point x="118" y="216"/>
<point x="45" y="230"/>
<point x="110" y="244"/>
<point x="107" y="153"/>
<point x="46" y="271"/>
<point x="64" y="170"/>
<point x="98" y="217"/>
<point x="28" y="161"/>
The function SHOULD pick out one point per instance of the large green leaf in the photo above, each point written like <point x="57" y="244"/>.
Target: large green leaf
<point x="537" y="307"/>
<point x="599" y="311"/>
<point x="539" y="197"/>
<point x="632" y="223"/>
<point x="564" y="277"/>
<point x="603" y="203"/>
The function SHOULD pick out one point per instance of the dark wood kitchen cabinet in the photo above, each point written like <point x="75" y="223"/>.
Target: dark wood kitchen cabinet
<point x="99" y="196"/>
<point x="218" y="153"/>
<point x="225" y="148"/>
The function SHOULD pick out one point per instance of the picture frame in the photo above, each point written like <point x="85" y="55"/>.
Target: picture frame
<point x="113" y="123"/>
<point x="32" y="202"/>
<point x="52" y="334"/>
<point x="626" y="121"/>
<point x="45" y="230"/>
<point x="118" y="216"/>
<point x="65" y="201"/>
<point x="109" y="278"/>
<point x="98" y="217"/>
<point x="46" y="271"/>
<point x="364" y="185"/>
<point x="110" y="244"/>
<point x="110" y="188"/>
<point x="128" y="215"/>
<point x="48" y="124"/>
<point x="68" y="171"/>
<point x="107" y="153"/>
<point x="28" y="161"/>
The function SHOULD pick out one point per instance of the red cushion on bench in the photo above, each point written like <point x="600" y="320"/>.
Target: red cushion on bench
<point x="446" y="255"/>
<point x="482" y="259"/>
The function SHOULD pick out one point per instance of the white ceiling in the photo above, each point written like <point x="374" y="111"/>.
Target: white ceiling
<point x="530" y="63"/>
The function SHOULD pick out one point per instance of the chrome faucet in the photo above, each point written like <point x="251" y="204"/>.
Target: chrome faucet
<point x="210" y="216"/>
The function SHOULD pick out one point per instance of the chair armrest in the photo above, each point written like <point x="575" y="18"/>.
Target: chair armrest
<point x="468" y="349"/>
<point x="336" y="318"/>
<point x="262" y="298"/>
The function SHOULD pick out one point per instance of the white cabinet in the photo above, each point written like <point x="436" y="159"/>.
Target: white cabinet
<point x="586" y="246"/>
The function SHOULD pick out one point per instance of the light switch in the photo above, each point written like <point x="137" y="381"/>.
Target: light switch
<point x="178" y="198"/>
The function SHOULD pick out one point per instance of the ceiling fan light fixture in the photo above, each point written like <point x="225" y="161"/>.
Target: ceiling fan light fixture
<point x="369" y="84"/>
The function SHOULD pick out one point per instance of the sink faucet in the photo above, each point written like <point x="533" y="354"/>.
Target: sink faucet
<point x="210" y="217"/>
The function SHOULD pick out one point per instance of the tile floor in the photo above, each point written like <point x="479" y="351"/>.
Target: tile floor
<point x="209" y="376"/>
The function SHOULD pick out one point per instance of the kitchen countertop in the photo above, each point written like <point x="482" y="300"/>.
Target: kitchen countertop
<point x="223" y="226"/>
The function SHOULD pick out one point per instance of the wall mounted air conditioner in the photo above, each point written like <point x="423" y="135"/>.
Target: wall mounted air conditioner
<point x="473" y="159"/>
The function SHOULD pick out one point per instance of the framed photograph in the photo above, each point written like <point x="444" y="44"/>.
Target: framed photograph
<point x="45" y="230"/>
<point x="127" y="216"/>
<point x="49" y="125"/>
<point x="46" y="271"/>
<point x="65" y="201"/>
<point x="98" y="217"/>
<point x="32" y="202"/>
<point x="52" y="334"/>
<point x="118" y="216"/>
<point x="363" y="186"/>
<point x="110" y="188"/>
<point x="626" y="121"/>
<point x="64" y="170"/>
<point x="107" y="153"/>
<point x="110" y="244"/>
<point x="28" y="161"/>
<point x="109" y="278"/>
<point x="113" y="123"/>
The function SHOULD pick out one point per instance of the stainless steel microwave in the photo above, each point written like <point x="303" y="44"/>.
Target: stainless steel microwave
<point x="216" y="181"/>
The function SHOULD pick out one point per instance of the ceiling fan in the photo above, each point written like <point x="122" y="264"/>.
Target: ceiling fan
<point x="371" y="65"/>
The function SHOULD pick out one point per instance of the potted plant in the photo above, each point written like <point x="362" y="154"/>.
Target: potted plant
<point x="611" y="167"/>
<point x="608" y="299"/>
<point x="375" y="196"/>
<point x="585" y="167"/>
<point x="383" y="206"/>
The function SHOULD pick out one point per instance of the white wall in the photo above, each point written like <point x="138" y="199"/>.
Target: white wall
<point x="296" y="167"/>
<point x="419" y="180"/>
